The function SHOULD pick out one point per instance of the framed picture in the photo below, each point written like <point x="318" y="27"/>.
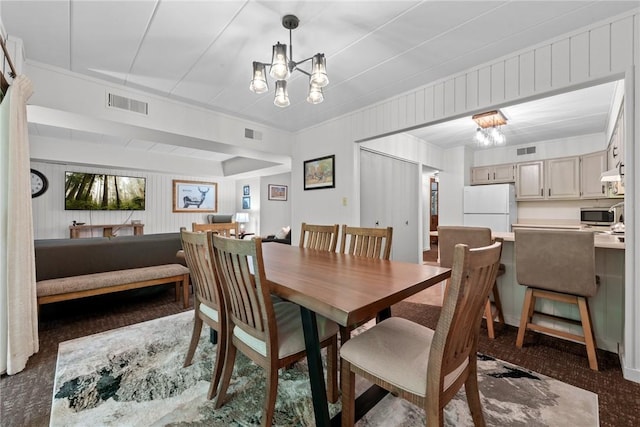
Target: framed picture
<point x="320" y="173"/>
<point x="195" y="196"/>
<point x="278" y="192"/>
<point x="246" y="202"/>
<point x="245" y="190"/>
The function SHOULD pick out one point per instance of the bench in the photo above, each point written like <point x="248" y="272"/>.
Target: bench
<point x="70" y="269"/>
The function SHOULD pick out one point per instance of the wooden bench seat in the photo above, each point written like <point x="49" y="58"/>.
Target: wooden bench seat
<point x="73" y="287"/>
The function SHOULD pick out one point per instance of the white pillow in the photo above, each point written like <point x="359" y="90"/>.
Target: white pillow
<point x="282" y="234"/>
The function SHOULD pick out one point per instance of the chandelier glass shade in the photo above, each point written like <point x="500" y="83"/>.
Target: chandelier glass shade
<point x="282" y="66"/>
<point x="489" y="131"/>
<point x="282" y="96"/>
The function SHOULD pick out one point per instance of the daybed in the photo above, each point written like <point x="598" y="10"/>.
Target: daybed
<point x="76" y="268"/>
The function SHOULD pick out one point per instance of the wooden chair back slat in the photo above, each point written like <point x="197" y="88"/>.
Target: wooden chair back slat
<point x="367" y="242"/>
<point x="319" y="237"/>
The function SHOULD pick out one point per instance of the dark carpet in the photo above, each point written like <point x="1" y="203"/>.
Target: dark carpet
<point x="25" y="398"/>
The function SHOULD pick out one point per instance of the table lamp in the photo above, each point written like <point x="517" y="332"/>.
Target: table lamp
<point x="242" y="218"/>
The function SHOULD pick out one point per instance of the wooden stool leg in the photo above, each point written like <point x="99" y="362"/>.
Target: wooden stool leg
<point x="589" y="339"/>
<point x="488" y="314"/>
<point x="527" y="310"/>
<point x="491" y="314"/>
<point x="498" y="303"/>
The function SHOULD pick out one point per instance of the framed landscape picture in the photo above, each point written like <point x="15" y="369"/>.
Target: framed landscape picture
<point x="246" y="202"/>
<point x="320" y="173"/>
<point x="278" y="192"/>
<point x="195" y="196"/>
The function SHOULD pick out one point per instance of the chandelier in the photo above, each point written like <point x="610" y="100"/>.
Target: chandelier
<point x="488" y="132"/>
<point x="282" y="67"/>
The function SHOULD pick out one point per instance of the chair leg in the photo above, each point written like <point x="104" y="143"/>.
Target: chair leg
<point x="348" y="387"/>
<point x="229" y="361"/>
<point x="527" y="312"/>
<point x="195" y="338"/>
<point x="221" y="349"/>
<point x="332" y="370"/>
<point x="498" y="303"/>
<point x="587" y="330"/>
<point x="473" y="394"/>
<point x="488" y="314"/>
<point x="270" y="398"/>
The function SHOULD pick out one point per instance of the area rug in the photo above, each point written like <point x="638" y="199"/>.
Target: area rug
<point x="134" y="376"/>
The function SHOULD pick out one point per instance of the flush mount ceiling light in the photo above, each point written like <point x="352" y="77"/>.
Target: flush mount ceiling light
<point x="488" y="132"/>
<point x="282" y="67"/>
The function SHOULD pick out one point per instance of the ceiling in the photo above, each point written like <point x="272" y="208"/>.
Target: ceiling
<point x="201" y="52"/>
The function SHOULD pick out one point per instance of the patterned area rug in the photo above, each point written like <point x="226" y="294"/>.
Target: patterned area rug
<point x="134" y="376"/>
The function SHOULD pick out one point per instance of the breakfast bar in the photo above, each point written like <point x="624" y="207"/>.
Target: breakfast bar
<point x="607" y="306"/>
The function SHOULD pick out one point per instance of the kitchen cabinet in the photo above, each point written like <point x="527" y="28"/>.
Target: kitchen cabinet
<point x="563" y="178"/>
<point x="548" y="179"/>
<point x="530" y="180"/>
<point x="591" y="167"/>
<point x="615" y="156"/>
<point x="494" y="174"/>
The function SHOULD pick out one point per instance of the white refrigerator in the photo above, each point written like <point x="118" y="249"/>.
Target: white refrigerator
<point x="492" y="206"/>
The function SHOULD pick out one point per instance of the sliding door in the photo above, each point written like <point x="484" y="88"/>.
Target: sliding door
<point x="390" y="196"/>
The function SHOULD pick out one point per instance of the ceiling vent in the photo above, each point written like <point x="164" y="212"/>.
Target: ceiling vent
<point x="252" y="134"/>
<point x="123" y="103"/>
<point x="526" y="150"/>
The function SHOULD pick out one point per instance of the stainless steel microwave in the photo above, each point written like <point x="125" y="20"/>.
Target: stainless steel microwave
<point x="596" y="216"/>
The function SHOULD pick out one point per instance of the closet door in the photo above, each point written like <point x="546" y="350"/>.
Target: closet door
<point x="389" y="196"/>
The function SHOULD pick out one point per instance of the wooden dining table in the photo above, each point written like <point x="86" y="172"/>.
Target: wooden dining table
<point x="344" y="288"/>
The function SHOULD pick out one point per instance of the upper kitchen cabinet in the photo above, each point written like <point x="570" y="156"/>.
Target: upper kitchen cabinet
<point x="563" y="178"/>
<point x="615" y="156"/>
<point x="548" y="179"/>
<point x="530" y="180"/>
<point x="494" y="174"/>
<point x="591" y="167"/>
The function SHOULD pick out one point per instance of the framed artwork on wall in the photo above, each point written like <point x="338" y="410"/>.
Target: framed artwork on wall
<point x="246" y="190"/>
<point x="195" y="196"/>
<point x="320" y="173"/>
<point x="246" y="202"/>
<point x="278" y="192"/>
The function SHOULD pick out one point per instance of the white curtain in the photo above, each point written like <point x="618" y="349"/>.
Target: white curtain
<point x="18" y="303"/>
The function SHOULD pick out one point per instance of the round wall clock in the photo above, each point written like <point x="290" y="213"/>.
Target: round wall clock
<point x="39" y="183"/>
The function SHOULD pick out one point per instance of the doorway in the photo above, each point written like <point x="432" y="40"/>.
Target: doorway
<point x="433" y="208"/>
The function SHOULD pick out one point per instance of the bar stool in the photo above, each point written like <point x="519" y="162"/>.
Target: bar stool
<point x="557" y="265"/>
<point x="474" y="237"/>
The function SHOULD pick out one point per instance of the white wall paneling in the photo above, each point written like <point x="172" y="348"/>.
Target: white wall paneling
<point x="51" y="220"/>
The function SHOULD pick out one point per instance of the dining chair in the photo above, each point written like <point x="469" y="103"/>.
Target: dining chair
<point x="268" y="333"/>
<point x="557" y="265"/>
<point x="474" y="237"/>
<point x="208" y="301"/>
<point x="424" y="366"/>
<point x="320" y="237"/>
<point x="367" y="242"/>
<point x="364" y="242"/>
<point x="228" y="229"/>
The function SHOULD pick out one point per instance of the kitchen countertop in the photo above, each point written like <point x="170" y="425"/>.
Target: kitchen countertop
<point x="602" y="240"/>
